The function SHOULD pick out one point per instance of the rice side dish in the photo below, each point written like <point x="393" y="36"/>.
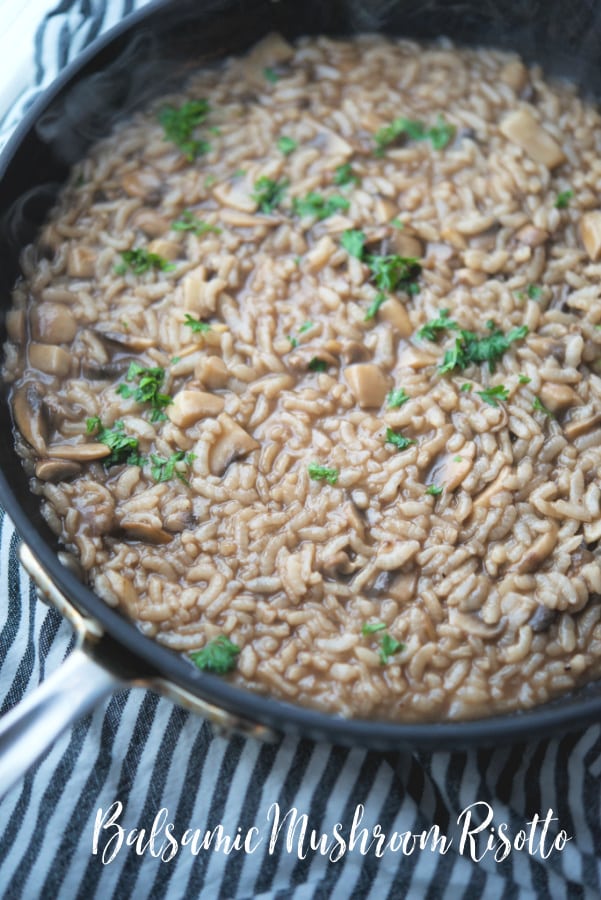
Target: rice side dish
<point x="305" y="370"/>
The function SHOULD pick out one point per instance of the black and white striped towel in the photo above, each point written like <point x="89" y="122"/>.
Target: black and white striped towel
<point x="138" y="755"/>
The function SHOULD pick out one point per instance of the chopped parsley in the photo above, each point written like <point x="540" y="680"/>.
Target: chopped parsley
<point x="270" y="74"/>
<point x="374" y="306"/>
<point x="239" y="173"/>
<point x="293" y="341"/>
<point x="163" y="469"/>
<point x="396" y="398"/>
<point x="353" y="242"/>
<point x="431" y="330"/>
<point x="434" y="490"/>
<point x="396" y="223"/>
<point x="318" y="365"/>
<point x="305" y="327"/>
<point x="218" y="656"/>
<point x="470" y="348"/>
<point x="268" y="193"/>
<point x="286" y="145"/>
<point x="141" y="261"/>
<point x="493" y="394"/>
<point x="389" y="646"/>
<point x="458" y="458"/>
<point x="538" y="404"/>
<point x="148" y="390"/>
<point x="322" y="473"/>
<point x="196" y="325"/>
<point x="180" y="123"/>
<point x="534" y="291"/>
<point x="439" y="134"/>
<point x="188" y="222"/>
<point x="399" y="440"/>
<point x="523" y="379"/>
<point x="372" y="628"/>
<point x="318" y="207"/>
<point x="210" y="180"/>
<point x="563" y="199"/>
<point x="466" y="387"/>
<point x="344" y="175"/>
<point x="124" y="447"/>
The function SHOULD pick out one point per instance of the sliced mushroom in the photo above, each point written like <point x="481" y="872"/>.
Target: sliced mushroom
<point x="53" y="323"/>
<point x="407" y="244"/>
<point x="143" y="531"/>
<point x="532" y="236"/>
<point x="542" y="618"/>
<point x="79" y="452"/>
<point x="50" y="358"/>
<point x="232" y="443"/>
<point x="416" y="358"/>
<point x="494" y="488"/>
<point x="575" y="427"/>
<point x="338" y="564"/>
<point x="558" y="396"/>
<point x="15" y="325"/>
<point x="515" y="75"/>
<point x="56" y="469"/>
<point x="212" y="371"/>
<point x="368" y="384"/>
<point x="590" y="232"/>
<point x="130" y="341"/>
<point x="240" y="219"/>
<point x="97" y="371"/>
<point x="521" y="128"/>
<point x="393" y="311"/>
<point x="142" y="183"/>
<point x="236" y="197"/>
<point x="538" y="552"/>
<point x="454" y="467"/>
<point x="301" y="358"/>
<point x="472" y="624"/>
<point x="30" y="414"/>
<point x="383" y="582"/>
<point x="331" y="143"/>
<point x="190" y="406"/>
<point x="270" y="51"/>
<point x="164" y="248"/>
<point x="150" y="222"/>
<point x="81" y="261"/>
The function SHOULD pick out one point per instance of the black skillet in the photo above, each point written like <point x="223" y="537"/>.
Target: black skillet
<point x="143" y="56"/>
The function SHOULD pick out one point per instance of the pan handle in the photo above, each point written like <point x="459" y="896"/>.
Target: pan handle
<point x="28" y="730"/>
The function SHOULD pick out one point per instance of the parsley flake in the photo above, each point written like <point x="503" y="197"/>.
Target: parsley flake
<point x="124" y="447"/>
<point x="399" y="440"/>
<point x="397" y="223"/>
<point x="180" y="123"/>
<point x="431" y="330"/>
<point x="434" y="490"/>
<point x="322" y="473"/>
<point x="396" y="398"/>
<point x="148" y="390"/>
<point x="372" y="628"/>
<point x="196" y="325"/>
<point x="374" y="306"/>
<point x="470" y="348"/>
<point x="141" y="261"/>
<point x="353" y="242"/>
<point x="218" y="656"/>
<point x="389" y="646"/>
<point x="534" y="291"/>
<point x="293" y="341"/>
<point x="344" y="175"/>
<point x="466" y="388"/>
<point x="188" y="222"/>
<point x="493" y="394"/>
<point x="439" y="134"/>
<point x="305" y="327"/>
<point x="523" y="379"/>
<point x="286" y="145"/>
<point x="563" y="199"/>
<point x="270" y="74"/>
<point x="268" y="194"/>
<point x="538" y="404"/>
<point x="318" y="207"/>
<point x="163" y="469"/>
<point x="318" y="365"/>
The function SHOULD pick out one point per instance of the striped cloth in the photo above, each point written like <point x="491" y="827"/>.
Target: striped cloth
<point x="139" y="761"/>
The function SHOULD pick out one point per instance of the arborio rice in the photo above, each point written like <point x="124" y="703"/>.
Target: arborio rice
<point x="243" y="429"/>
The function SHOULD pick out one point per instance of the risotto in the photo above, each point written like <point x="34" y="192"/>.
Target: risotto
<point x="304" y="369"/>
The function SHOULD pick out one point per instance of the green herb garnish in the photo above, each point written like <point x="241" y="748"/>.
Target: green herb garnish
<point x="210" y="180"/>
<point x="269" y="193"/>
<point x="322" y="473"/>
<point x="353" y="242"/>
<point x="196" y="325"/>
<point x="466" y="388"/>
<point x="470" y="348"/>
<point x="458" y="458"/>
<point x="431" y="330"/>
<point x="372" y="628"/>
<point x="399" y="440"/>
<point x="388" y="272"/>
<point x="124" y="447"/>
<point x="189" y="222"/>
<point x="434" y="490"/>
<point x="318" y="365"/>
<point x="163" y="469"/>
<point x="563" y="199"/>
<point x="396" y="223"/>
<point x="374" y="306"/>
<point x="318" y="207"/>
<point x="286" y="145"/>
<point x="179" y="125"/>
<point x="534" y="291"/>
<point x="439" y="134"/>
<point x="293" y="341"/>
<point x="538" y="404"/>
<point x="396" y="398"/>
<point x="389" y="646"/>
<point x="270" y="74"/>
<point x="344" y="175"/>
<point x="141" y="261"/>
<point x="523" y="379"/>
<point x="148" y="390"/>
<point x="305" y="327"/>
<point x="218" y="656"/>
<point x="493" y="394"/>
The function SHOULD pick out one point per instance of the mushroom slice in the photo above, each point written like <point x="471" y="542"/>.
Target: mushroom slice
<point x="212" y="371"/>
<point x="232" y="443"/>
<point x="575" y="427"/>
<point x="494" y="488"/>
<point x="407" y="244"/>
<point x="190" y="406"/>
<point x="144" y="531"/>
<point x="590" y="232"/>
<point x="521" y="128"/>
<point x="150" y="222"/>
<point x="532" y="236"/>
<point x="236" y="198"/>
<point x="542" y="618"/>
<point x="143" y="183"/>
<point x="130" y="341"/>
<point x="394" y="312"/>
<point x="538" y="552"/>
<point x="50" y="358"/>
<point x="56" y="469"/>
<point x="79" y="452"/>
<point x="415" y="358"/>
<point x="15" y="325"/>
<point x="53" y="323"/>
<point x="473" y="625"/>
<point x="515" y="75"/>
<point x="558" y="396"/>
<point x="30" y="414"/>
<point x="81" y="262"/>
<point x="368" y="384"/>
<point x="270" y="51"/>
<point x="454" y="467"/>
